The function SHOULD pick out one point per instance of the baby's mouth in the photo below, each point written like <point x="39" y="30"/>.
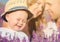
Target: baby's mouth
<point x="19" y="26"/>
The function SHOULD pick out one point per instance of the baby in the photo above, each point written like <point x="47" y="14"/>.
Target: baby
<point x="16" y="15"/>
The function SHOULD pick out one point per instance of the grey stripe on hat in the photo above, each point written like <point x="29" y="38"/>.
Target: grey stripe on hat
<point x="18" y="7"/>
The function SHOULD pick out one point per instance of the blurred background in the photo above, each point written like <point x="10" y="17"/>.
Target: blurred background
<point x="2" y="4"/>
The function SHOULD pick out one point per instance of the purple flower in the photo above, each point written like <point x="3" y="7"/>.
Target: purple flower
<point x="39" y="38"/>
<point x="4" y="39"/>
<point x="0" y="38"/>
<point x="41" y="25"/>
<point x="17" y="39"/>
<point x="45" y="39"/>
<point x="0" y="35"/>
<point x="11" y="40"/>
<point x="14" y="39"/>
<point x="24" y="40"/>
<point x="59" y="36"/>
<point x="34" y="35"/>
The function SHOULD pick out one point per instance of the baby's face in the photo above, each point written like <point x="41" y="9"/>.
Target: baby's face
<point x="17" y="20"/>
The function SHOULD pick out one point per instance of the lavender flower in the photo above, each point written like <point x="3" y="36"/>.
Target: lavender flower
<point x="4" y="39"/>
<point x="34" y="35"/>
<point x="0" y="35"/>
<point x="14" y="39"/>
<point x="59" y="35"/>
<point x="39" y="38"/>
<point x="41" y="25"/>
<point x="35" y="38"/>
<point x="17" y="39"/>
<point x="45" y="39"/>
<point x="24" y="40"/>
<point x="0" y="38"/>
<point x="52" y="37"/>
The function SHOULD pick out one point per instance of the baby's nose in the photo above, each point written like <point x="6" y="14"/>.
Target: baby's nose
<point x="20" y="22"/>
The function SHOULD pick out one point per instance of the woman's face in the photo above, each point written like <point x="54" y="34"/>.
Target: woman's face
<point x="17" y="20"/>
<point x="53" y="7"/>
<point x="37" y="8"/>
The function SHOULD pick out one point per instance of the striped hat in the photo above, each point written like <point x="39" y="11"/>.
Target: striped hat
<point x="13" y="5"/>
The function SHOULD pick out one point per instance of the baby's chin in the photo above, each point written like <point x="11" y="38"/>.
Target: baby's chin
<point x="18" y="28"/>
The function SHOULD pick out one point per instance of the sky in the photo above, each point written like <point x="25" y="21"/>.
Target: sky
<point x="3" y="1"/>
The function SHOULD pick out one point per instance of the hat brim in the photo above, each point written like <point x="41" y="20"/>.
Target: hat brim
<point x="4" y="14"/>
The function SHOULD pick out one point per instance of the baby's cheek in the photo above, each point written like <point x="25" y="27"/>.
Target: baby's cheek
<point x="24" y="24"/>
<point x="13" y="23"/>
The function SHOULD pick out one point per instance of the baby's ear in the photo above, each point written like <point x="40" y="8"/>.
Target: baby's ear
<point x="7" y="17"/>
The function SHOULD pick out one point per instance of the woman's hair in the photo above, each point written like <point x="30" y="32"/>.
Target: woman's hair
<point x="57" y="19"/>
<point x="32" y="27"/>
<point x="32" y="24"/>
